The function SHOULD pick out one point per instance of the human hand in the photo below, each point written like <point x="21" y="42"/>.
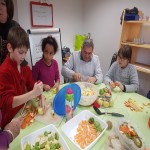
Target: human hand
<point x="77" y="77"/>
<point x="91" y="79"/>
<point x="112" y="85"/>
<point x="56" y="86"/>
<point x="38" y="89"/>
<point x="46" y="87"/>
<point x="120" y="85"/>
<point x="14" y="126"/>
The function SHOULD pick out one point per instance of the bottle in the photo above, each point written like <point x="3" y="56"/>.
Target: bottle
<point x="69" y="104"/>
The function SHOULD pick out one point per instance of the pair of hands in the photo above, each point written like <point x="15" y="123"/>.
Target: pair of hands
<point x="37" y="90"/>
<point x="47" y="87"/>
<point x="116" y="83"/>
<point x="78" y="77"/>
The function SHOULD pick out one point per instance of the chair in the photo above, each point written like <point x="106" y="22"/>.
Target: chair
<point x="114" y="58"/>
<point x="148" y="95"/>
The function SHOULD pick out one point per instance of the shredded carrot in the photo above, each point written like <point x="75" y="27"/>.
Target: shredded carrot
<point x="86" y="134"/>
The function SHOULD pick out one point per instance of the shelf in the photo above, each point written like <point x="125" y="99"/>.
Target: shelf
<point x="142" y="67"/>
<point x="140" y="22"/>
<point x="136" y="45"/>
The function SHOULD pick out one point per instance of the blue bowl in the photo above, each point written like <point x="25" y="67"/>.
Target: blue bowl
<point x="59" y="99"/>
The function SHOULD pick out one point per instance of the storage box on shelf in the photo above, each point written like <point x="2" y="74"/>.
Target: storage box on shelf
<point x="131" y="31"/>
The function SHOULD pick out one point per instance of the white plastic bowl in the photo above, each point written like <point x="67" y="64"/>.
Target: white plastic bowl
<point x="31" y="138"/>
<point x="70" y="128"/>
<point x="86" y="97"/>
<point x="125" y="141"/>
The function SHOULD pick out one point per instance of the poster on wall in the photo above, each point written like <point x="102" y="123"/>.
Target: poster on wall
<point x="41" y="14"/>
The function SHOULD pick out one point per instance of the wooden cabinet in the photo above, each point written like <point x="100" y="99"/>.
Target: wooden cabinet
<point x="131" y="30"/>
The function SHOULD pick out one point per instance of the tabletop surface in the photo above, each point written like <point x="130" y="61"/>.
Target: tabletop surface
<point x="138" y="118"/>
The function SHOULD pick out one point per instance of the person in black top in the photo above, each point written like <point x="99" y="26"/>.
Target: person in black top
<point x="6" y="22"/>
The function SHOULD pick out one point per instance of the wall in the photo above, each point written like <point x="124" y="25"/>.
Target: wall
<point x="99" y="17"/>
<point x="102" y="20"/>
<point x="70" y="21"/>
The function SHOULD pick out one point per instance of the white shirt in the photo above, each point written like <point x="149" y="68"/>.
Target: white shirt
<point x="76" y="65"/>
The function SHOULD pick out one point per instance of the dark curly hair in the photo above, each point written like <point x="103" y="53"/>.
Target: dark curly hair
<point x="51" y="41"/>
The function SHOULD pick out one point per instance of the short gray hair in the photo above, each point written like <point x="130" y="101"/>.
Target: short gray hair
<point x="88" y="43"/>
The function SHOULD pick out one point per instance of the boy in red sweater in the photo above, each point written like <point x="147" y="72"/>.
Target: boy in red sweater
<point x="15" y="79"/>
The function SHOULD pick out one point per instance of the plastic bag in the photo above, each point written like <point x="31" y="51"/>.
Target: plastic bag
<point x="79" y="41"/>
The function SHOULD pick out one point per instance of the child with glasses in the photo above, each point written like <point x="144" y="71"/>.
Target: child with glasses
<point x="122" y="73"/>
<point x="46" y="69"/>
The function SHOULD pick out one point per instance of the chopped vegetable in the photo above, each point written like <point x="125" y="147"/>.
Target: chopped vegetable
<point x="91" y="120"/>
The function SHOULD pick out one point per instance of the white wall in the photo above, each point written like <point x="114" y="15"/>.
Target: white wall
<point x="102" y="20"/>
<point x="67" y="15"/>
<point x="99" y="17"/>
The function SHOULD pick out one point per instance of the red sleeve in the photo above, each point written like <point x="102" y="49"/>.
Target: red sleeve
<point x="7" y="91"/>
<point x="29" y="79"/>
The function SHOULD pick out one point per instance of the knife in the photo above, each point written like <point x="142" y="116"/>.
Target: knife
<point x="40" y="97"/>
<point x="102" y="113"/>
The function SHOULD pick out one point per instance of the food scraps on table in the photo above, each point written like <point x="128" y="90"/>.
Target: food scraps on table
<point x="29" y="113"/>
<point x="87" y="132"/>
<point x="133" y="105"/>
<point x="146" y="104"/>
<point x="110" y="125"/>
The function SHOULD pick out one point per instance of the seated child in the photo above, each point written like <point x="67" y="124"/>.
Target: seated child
<point x="46" y="69"/>
<point x="122" y="73"/>
<point x="16" y="79"/>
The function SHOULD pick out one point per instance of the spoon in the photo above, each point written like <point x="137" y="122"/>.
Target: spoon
<point x="102" y="113"/>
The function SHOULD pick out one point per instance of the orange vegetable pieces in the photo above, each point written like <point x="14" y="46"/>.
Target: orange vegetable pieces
<point x="124" y="129"/>
<point x="86" y="134"/>
<point x="28" y="119"/>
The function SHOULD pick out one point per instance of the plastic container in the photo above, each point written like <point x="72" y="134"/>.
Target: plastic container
<point x="69" y="104"/>
<point x="127" y="142"/>
<point x="31" y="138"/>
<point x="70" y="128"/>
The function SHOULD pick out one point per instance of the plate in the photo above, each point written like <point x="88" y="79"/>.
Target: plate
<point x="31" y="138"/>
<point x="70" y="128"/>
<point x="59" y="99"/>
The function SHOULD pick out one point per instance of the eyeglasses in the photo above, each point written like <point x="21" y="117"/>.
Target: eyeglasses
<point x="87" y="53"/>
<point x="122" y="58"/>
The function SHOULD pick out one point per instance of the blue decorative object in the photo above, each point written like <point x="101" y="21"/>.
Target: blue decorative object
<point x="129" y="17"/>
<point x="59" y="99"/>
